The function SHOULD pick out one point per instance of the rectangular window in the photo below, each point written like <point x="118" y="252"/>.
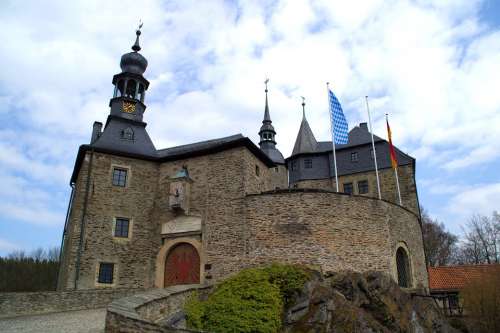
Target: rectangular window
<point x="294" y="165"/>
<point x="121" y="227"/>
<point x="354" y="156"/>
<point x="119" y="177"/>
<point x="276" y="169"/>
<point x="257" y="170"/>
<point x="371" y="154"/>
<point x="363" y="187"/>
<point x="348" y="188"/>
<point x="105" y="273"/>
<point x="308" y="163"/>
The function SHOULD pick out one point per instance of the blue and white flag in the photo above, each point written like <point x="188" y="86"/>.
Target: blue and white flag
<point x="339" y="126"/>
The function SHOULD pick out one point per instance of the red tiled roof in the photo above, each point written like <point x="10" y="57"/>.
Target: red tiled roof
<point x="457" y="277"/>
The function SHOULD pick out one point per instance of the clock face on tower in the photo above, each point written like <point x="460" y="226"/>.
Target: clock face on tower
<point x="128" y="107"/>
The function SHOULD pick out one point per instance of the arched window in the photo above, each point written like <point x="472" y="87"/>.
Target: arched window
<point x="121" y="89"/>
<point x="127" y="134"/>
<point x="131" y="89"/>
<point x="141" y="92"/>
<point x="403" y="267"/>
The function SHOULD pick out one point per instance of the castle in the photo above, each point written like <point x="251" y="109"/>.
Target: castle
<point x="140" y="217"/>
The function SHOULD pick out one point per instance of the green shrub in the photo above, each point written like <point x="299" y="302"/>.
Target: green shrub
<point x="289" y="279"/>
<point x="251" y="301"/>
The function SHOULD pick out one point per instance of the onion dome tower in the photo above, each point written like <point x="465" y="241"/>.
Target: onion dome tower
<point x="130" y="85"/>
<point x="125" y="131"/>
<point x="267" y="136"/>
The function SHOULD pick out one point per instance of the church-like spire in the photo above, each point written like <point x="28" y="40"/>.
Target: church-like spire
<point x="267" y="134"/>
<point x="267" y="131"/>
<point x="305" y="142"/>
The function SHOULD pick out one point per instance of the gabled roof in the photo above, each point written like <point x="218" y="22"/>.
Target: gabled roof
<point x="178" y="152"/>
<point x="305" y="142"/>
<point x="451" y="278"/>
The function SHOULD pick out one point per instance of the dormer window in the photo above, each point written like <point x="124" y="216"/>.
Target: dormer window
<point x="127" y="134"/>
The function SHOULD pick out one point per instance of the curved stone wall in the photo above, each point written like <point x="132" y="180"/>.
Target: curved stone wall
<point x="332" y="231"/>
<point x="150" y="311"/>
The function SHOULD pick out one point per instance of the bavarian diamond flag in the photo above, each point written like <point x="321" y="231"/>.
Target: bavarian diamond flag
<point x="339" y="125"/>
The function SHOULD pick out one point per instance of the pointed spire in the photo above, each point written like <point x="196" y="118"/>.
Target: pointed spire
<point x="267" y="130"/>
<point x="305" y="142"/>
<point x="267" y="117"/>
<point x="136" y="47"/>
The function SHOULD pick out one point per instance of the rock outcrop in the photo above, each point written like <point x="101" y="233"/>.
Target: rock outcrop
<point x="355" y="302"/>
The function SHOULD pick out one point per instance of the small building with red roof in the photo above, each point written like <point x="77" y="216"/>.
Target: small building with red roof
<point x="446" y="282"/>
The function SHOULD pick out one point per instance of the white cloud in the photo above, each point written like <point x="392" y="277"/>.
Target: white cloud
<point x="481" y="199"/>
<point x="431" y="64"/>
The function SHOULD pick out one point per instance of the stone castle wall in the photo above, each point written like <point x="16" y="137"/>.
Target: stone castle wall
<point x="331" y="231"/>
<point x="30" y="303"/>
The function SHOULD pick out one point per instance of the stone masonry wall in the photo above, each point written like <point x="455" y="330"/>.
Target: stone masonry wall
<point x="17" y="304"/>
<point x="405" y="231"/>
<point x="217" y="179"/>
<point x="329" y="230"/>
<point x="279" y="177"/>
<point x="131" y="256"/>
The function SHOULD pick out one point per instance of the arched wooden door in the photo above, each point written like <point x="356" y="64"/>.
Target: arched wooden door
<point x="182" y="265"/>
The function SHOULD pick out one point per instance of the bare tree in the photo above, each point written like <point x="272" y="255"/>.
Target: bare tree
<point x="481" y="242"/>
<point x="439" y="244"/>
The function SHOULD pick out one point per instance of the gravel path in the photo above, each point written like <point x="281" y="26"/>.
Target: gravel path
<point x="87" y="321"/>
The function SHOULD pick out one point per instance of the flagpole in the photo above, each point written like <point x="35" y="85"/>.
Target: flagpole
<point x="333" y="137"/>
<point x="373" y="148"/>
<point x="395" y="170"/>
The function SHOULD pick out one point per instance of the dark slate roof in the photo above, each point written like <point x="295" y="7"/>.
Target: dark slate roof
<point x="110" y="139"/>
<point x="305" y="142"/>
<point x="275" y="155"/>
<point x="107" y="143"/>
<point x="359" y="142"/>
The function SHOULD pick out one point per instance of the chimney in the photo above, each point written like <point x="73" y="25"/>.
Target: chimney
<point x="96" y="131"/>
<point x="363" y="126"/>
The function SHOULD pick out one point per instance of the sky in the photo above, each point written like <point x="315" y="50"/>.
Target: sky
<point x="433" y="66"/>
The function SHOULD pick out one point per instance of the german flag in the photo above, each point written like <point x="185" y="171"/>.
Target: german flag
<point x="392" y="151"/>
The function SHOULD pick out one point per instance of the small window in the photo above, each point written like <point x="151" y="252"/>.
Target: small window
<point x="348" y="188"/>
<point x="119" y="177"/>
<point x="371" y="154"/>
<point x="354" y="156"/>
<point x="363" y="187"/>
<point x="127" y="134"/>
<point x="121" y="227"/>
<point x="276" y="169"/>
<point x="105" y="273"/>
<point x="308" y="163"/>
<point x="257" y="170"/>
<point x="294" y="165"/>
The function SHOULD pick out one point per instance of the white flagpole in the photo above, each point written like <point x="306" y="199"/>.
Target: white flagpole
<point x="395" y="169"/>
<point x="373" y="147"/>
<point x="397" y="185"/>
<point x="333" y="137"/>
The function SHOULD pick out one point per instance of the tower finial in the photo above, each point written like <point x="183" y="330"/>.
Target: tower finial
<point x="267" y="117"/>
<point x="136" y="47"/>
<point x="303" y="107"/>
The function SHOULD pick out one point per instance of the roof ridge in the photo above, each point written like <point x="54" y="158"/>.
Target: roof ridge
<point x="234" y="136"/>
